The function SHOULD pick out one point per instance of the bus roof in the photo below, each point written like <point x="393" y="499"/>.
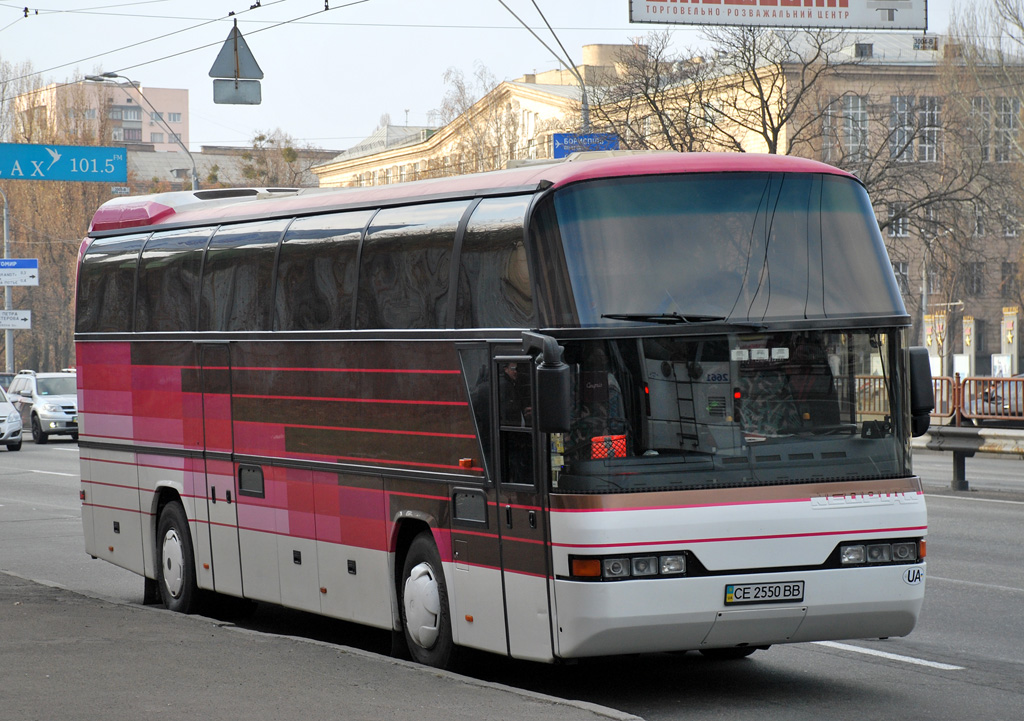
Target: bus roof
<point x="217" y="206"/>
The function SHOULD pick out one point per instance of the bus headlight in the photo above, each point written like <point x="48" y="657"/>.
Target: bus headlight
<point x="858" y="554"/>
<point x="623" y="568"/>
<point x="645" y="566"/>
<point x="879" y="553"/>
<point x="673" y="564"/>
<point x="616" y="567"/>
<point x="904" y="551"/>
<point x="850" y="555"/>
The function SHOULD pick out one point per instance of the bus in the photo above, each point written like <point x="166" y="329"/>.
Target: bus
<point x="616" y="405"/>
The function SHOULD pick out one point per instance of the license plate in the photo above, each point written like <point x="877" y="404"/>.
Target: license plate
<point x="783" y="592"/>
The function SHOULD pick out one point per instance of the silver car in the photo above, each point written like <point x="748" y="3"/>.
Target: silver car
<point x="47" y="402"/>
<point x="10" y="424"/>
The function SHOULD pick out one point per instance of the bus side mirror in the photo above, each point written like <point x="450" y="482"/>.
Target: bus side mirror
<point x="551" y="411"/>
<point x="922" y="395"/>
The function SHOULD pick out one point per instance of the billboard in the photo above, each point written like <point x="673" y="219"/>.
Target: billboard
<point x="793" y="14"/>
<point x="91" y="163"/>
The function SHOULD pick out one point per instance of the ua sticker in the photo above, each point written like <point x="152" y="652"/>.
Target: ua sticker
<point x="913" y="576"/>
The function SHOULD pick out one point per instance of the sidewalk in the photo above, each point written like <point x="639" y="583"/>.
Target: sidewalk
<point x="68" y="656"/>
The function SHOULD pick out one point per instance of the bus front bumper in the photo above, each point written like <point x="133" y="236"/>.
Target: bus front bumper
<point x="644" y="616"/>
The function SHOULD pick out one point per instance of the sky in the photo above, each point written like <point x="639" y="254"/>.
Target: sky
<point x="329" y="74"/>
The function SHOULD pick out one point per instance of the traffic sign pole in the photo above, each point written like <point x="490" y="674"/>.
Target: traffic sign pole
<point x="8" y="335"/>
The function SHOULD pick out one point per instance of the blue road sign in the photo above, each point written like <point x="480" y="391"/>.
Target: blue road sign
<point x="19" y="271"/>
<point x="91" y="163"/>
<point x="568" y="143"/>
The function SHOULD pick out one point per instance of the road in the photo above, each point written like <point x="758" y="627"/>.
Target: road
<point x="965" y="659"/>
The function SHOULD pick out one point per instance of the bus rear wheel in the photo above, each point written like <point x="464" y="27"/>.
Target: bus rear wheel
<point x="426" y="619"/>
<point x="176" y="568"/>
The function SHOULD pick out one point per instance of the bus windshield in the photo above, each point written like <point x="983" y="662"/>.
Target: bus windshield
<point x="743" y="247"/>
<point x="679" y="412"/>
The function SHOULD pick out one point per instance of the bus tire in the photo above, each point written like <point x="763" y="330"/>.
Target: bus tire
<point x="426" y="618"/>
<point x="176" y="567"/>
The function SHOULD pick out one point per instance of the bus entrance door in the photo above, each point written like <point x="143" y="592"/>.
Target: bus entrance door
<point x="522" y="521"/>
<point x="221" y="493"/>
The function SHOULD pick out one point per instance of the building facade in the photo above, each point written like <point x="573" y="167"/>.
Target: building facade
<point x="112" y="113"/>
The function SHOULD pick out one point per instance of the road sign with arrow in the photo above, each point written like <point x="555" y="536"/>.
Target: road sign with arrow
<point x="19" y="271"/>
<point x="15" y="319"/>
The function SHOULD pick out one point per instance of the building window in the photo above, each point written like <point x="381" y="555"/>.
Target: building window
<point x="174" y="117"/>
<point x="979" y="224"/>
<point x="934" y="282"/>
<point x="1010" y="224"/>
<point x="930" y="124"/>
<point x="114" y="113"/>
<point x="1007" y="122"/>
<point x="1009" y="287"/>
<point x="899" y="223"/>
<point x="156" y="137"/>
<point x="133" y="135"/>
<point x="902" y="272"/>
<point x="863" y="50"/>
<point x="117" y="134"/>
<point x="850" y="124"/>
<point x="156" y="117"/>
<point x="132" y="114"/>
<point x="981" y="117"/>
<point x="901" y="128"/>
<point x="974" y="278"/>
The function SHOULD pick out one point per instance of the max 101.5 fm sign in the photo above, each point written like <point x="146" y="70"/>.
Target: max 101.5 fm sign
<point x="76" y="163"/>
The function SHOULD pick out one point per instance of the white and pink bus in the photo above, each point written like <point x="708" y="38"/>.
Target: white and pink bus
<point x="608" y="406"/>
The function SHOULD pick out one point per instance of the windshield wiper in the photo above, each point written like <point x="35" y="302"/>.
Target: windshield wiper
<point x="664" y="318"/>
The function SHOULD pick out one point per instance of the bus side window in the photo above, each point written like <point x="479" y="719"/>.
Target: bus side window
<point x="317" y="271"/>
<point x="405" y="267"/>
<point x="169" y="280"/>
<point x="106" y="285"/>
<point x="237" y="276"/>
<point x="494" y="277"/>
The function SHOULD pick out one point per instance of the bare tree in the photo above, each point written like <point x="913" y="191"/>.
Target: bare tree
<point x="488" y="124"/>
<point x="749" y="89"/>
<point x="274" y="160"/>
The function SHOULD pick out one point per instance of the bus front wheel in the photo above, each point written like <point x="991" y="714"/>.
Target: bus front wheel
<point x="176" y="569"/>
<point x="424" y="605"/>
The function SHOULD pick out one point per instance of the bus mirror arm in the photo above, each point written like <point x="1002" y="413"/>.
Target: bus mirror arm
<point x="553" y="393"/>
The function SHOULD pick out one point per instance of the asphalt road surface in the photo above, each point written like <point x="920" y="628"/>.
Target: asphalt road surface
<point x="964" y="660"/>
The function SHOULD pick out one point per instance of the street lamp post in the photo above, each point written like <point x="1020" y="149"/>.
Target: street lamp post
<point x="103" y="77"/>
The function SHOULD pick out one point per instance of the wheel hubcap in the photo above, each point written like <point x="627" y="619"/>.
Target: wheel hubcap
<point x="173" y="560"/>
<point x="422" y="605"/>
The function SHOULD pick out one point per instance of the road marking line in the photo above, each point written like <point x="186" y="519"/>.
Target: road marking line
<point x="890" y="656"/>
<point x="976" y="583"/>
<point x="54" y="473"/>
<point x="976" y="500"/>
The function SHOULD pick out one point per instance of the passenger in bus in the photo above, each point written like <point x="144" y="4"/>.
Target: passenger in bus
<point x="513" y="395"/>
